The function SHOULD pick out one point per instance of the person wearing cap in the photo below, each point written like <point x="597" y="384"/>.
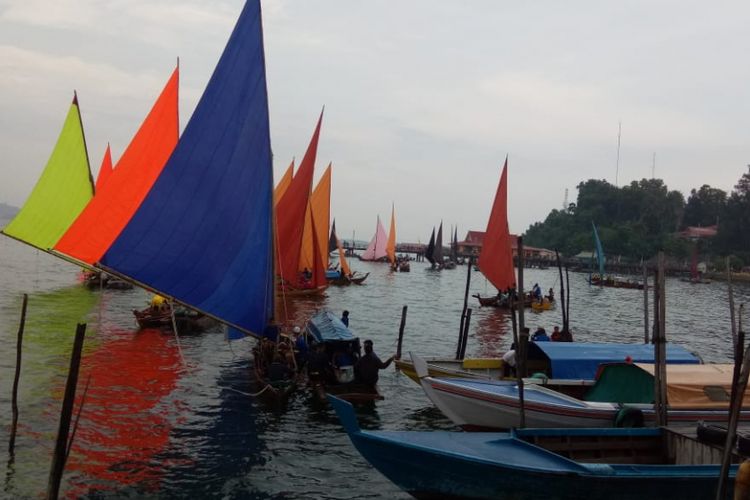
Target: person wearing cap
<point x="366" y="369"/>
<point x="300" y="346"/>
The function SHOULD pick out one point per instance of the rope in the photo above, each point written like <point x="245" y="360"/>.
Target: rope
<point x="176" y="337"/>
<point x="252" y="395"/>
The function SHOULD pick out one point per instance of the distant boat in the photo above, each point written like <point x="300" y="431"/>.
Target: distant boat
<point x="601" y="279"/>
<point x="377" y="248"/>
<point x="429" y="253"/>
<point x="527" y="464"/>
<point x="345" y="276"/>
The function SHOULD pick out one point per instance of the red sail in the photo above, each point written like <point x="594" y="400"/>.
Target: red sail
<point x="111" y="208"/>
<point x="105" y="170"/>
<point x="290" y="213"/>
<point x="496" y="257"/>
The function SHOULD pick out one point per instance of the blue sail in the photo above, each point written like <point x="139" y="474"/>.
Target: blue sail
<point x="599" y="251"/>
<point x="203" y="235"/>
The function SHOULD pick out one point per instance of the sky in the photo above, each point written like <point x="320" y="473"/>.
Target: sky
<point x="423" y="99"/>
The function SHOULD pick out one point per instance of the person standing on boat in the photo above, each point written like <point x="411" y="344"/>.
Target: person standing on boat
<point x="345" y="318"/>
<point x="536" y="292"/>
<point x="367" y="367"/>
<point x="300" y="346"/>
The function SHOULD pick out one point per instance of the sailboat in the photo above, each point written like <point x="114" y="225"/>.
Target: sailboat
<point x="601" y="279"/>
<point x="344" y="276"/>
<point x="62" y="191"/>
<point x="496" y="256"/>
<point x="695" y="275"/>
<point x="376" y="250"/>
<point x="429" y="253"/>
<point x="202" y="235"/>
<point x="453" y="257"/>
<point x="299" y="258"/>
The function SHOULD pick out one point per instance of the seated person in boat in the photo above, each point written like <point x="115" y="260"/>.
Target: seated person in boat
<point x="551" y="295"/>
<point x="318" y="366"/>
<point x="561" y="335"/>
<point x="540" y="335"/>
<point x="278" y="370"/>
<point x="368" y="366"/>
<point x="345" y="318"/>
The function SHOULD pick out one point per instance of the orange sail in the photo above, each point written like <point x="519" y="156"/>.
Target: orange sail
<point x="390" y="248"/>
<point x="345" y="270"/>
<point x="321" y="212"/>
<point x="496" y="257"/>
<point x="291" y="214"/>
<point x="105" y="171"/>
<point x="283" y="184"/>
<point x="111" y="208"/>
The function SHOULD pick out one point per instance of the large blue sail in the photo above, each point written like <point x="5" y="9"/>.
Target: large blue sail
<point x="599" y="252"/>
<point x="203" y="235"/>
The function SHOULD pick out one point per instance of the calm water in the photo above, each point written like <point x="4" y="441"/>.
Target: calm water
<point x="172" y="419"/>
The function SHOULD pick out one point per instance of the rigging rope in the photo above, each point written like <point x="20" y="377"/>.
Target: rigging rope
<point x="176" y="336"/>
<point x="252" y="395"/>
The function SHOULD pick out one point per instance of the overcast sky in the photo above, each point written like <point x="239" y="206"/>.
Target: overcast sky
<point x="423" y="98"/>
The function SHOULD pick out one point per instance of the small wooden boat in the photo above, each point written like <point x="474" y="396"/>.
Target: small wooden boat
<point x="615" y="282"/>
<point x="99" y="279"/>
<point x="482" y="404"/>
<point x="545" y="305"/>
<point x="495" y="301"/>
<point x="527" y="464"/>
<point x="187" y="320"/>
<point x="326" y="329"/>
<point x="301" y="291"/>
<point x="358" y="279"/>
<point x="404" y="267"/>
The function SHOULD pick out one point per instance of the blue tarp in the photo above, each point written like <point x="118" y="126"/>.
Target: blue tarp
<point x="203" y="233"/>
<point x="326" y="327"/>
<point x="581" y="360"/>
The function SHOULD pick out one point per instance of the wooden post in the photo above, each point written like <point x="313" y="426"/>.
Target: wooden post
<point x="465" y="339"/>
<point x="734" y="414"/>
<point x="645" y="305"/>
<point x="562" y="290"/>
<point x="401" y="332"/>
<point x="16" y="378"/>
<point x="61" y="446"/>
<point x="521" y="294"/>
<point x="660" y="379"/>
<point x="738" y="350"/>
<point x="463" y="311"/>
<point x="567" y="300"/>
<point x="521" y="355"/>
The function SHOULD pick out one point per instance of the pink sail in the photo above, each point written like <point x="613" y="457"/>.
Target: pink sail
<point x="376" y="250"/>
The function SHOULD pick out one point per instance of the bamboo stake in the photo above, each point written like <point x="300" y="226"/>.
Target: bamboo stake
<point x="466" y="304"/>
<point x="465" y="339"/>
<point x="645" y="304"/>
<point x="61" y="446"/>
<point x="660" y="347"/>
<point x="562" y="290"/>
<point x="731" y="305"/>
<point x="401" y="332"/>
<point x="567" y="300"/>
<point x="522" y="349"/>
<point x="521" y="295"/>
<point x="17" y="377"/>
<point x="736" y="405"/>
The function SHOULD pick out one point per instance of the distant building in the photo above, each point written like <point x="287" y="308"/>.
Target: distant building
<point x="472" y="245"/>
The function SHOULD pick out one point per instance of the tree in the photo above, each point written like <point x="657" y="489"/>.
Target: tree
<point x="704" y="207"/>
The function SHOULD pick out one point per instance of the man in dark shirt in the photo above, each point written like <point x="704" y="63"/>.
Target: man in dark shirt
<point x="368" y="366"/>
<point x="345" y="318"/>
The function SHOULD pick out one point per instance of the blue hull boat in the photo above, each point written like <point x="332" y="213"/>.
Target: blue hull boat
<point x="550" y="464"/>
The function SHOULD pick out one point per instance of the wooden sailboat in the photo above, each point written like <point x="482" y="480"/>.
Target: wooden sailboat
<point x="297" y="236"/>
<point x="496" y="257"/>
<point x="601" y="279"/>
<point x="62" y="191"/>
<point x="429" y="253"/>
<point x="203" y="234"/>
<point x="376" y="249"/>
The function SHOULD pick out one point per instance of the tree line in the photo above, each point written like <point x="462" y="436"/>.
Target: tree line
<point x="637" y="220"/>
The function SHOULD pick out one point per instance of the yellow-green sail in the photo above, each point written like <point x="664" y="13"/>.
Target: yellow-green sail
<point x="64" y="188"/>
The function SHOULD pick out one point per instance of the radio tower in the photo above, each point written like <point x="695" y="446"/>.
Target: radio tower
<point x="565" y="201"/>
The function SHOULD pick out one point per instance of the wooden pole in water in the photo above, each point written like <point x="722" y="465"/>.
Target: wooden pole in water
<point x="465" y="339"/>
<point x="734" y="414"/>
<point x="61" y="446"/>
<point x="17" y="377"/>
<point x="401" y="332"/>
<point x="463" y="311"/>
<point x="521" y="294"/>
<point x="731" y="308"/>
<point x="522" y="350"/>
<point x="562" y="290"/>
<point x="645" y="304"/>
<point x="567" y="300"/>
<point x="660" y="347"/>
